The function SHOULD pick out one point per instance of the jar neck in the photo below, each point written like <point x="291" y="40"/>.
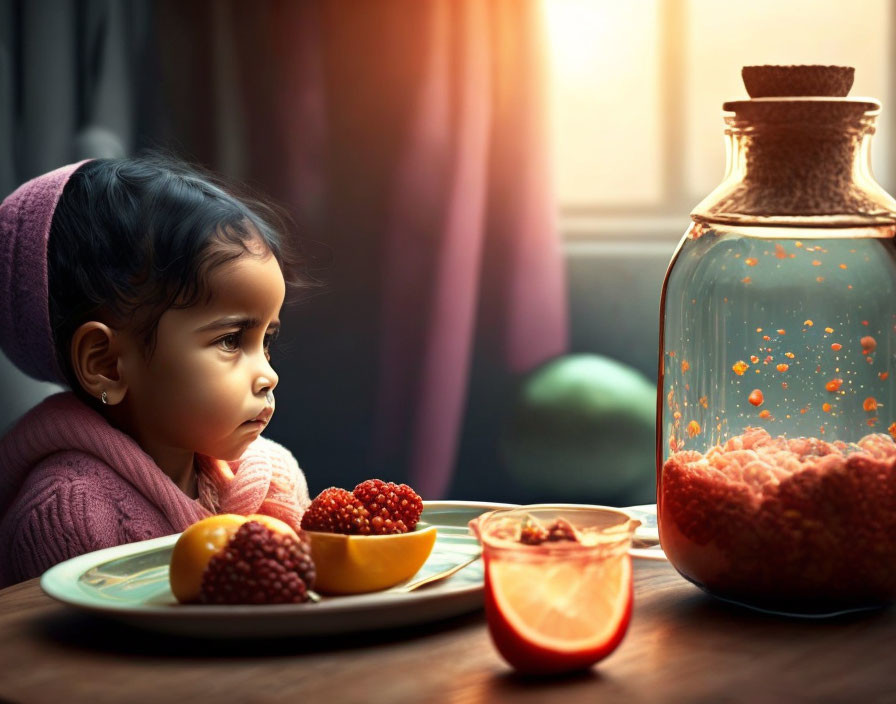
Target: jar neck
<point x="800" y="164"/>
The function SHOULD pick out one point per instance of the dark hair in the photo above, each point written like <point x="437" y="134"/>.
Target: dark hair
<point x="131" y="238"/>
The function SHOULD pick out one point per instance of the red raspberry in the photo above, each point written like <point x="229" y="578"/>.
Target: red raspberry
<point x="394" y="508"/>
<point x="336" y="510"/>
<point x="562" y="530"/>
<point x="532" y="532"/>
<point x="259" y="566"/>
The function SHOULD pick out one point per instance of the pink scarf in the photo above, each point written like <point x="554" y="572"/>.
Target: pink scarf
<point x="266" y="479"/>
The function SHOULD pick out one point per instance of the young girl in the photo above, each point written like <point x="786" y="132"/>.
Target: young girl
<point x="154" y="295"/>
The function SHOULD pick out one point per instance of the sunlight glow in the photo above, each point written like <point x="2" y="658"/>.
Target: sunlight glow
<point x="606" y="72"/>
<point x="575" y="28"/>
<point x="604" y="100"/>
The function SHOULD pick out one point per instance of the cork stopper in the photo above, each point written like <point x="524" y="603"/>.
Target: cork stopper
<point x="793" y="81"/>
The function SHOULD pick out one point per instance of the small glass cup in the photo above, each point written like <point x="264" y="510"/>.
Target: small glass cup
<point x="558" y="583"/>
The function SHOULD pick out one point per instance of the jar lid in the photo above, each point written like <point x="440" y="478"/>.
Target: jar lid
<point x="791" y="81"/>
<point x="802" y="92"/>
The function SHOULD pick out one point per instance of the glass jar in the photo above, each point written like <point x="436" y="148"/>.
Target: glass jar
<point x="776" y="414"/>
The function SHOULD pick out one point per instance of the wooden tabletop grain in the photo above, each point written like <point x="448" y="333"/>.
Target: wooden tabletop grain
<point x="682" y="646"/>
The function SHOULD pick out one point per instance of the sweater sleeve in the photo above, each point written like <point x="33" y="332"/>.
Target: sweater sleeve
<point x="71" y="504"/>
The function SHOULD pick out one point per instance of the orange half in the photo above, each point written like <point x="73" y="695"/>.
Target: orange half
<point x="354" y="564"/>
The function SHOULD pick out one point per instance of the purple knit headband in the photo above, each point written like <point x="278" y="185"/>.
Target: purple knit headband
<point x="25" y="217"/>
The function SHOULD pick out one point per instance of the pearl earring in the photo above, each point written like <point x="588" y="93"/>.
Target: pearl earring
<point x="104" y="399"/>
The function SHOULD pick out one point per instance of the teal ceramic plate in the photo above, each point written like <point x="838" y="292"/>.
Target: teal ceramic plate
<point x="129" y="583"/>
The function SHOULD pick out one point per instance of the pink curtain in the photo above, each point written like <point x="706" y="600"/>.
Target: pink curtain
<point x="410" y="137"/>
<point x="476" y="155"/>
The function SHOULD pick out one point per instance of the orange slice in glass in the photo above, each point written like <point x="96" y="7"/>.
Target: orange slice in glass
<point x="559" y="615"/>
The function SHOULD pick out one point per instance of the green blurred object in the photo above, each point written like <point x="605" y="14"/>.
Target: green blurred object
<point x="583" y="430"/>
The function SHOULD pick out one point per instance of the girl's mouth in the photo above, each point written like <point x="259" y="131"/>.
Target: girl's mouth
<point x="262" y="418"/>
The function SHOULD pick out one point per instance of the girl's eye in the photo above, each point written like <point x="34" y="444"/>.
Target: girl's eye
<point x="230" y="342"/>
<point x="268" y="341"/>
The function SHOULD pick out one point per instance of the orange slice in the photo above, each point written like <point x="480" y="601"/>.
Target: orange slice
<point x="354" y="564"/>
<point x="560" y="615"/>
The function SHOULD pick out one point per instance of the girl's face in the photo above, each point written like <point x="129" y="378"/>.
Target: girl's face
<point x="204" y="388"/>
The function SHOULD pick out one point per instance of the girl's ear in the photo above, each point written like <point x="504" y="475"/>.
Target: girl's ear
<point x="96" y="353"/>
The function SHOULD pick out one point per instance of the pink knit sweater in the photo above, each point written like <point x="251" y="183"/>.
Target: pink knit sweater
<point x="70" y="483"/>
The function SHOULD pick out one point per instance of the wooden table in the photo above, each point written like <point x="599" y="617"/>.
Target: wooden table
<point x="682" y="646"/>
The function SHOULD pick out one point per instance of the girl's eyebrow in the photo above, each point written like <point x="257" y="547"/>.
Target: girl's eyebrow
<point x="236" y="321"/>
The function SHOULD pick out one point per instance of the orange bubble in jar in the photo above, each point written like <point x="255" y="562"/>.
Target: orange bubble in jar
<point x="756" y="397"/>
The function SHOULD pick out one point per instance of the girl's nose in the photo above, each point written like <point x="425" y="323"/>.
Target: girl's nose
<point x="265" y="381"/>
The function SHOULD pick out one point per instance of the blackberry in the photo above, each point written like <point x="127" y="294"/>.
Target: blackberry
<point x="259" y="566"/>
